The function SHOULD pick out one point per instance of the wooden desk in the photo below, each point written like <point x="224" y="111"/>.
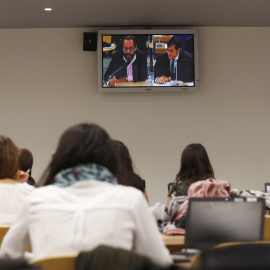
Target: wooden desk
<point x="174" y="243"/>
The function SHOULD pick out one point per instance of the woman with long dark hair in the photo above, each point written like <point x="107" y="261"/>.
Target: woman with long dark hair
<point x="125" y="174"/>
<point x="80" y="205"/>
<point x="195" y="165"/>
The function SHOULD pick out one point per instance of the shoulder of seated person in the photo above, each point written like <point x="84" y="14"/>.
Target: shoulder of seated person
<point x="129" y="193"/>
<point x="187" y="54"/>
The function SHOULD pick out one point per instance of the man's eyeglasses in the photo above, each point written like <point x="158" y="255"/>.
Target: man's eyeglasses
<point x="128" y="49"/>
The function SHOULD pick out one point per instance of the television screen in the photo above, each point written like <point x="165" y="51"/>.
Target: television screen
<point x="148" y="60"/>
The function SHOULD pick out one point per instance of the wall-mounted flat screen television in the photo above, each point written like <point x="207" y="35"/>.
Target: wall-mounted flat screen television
<point x="154" y="60"/>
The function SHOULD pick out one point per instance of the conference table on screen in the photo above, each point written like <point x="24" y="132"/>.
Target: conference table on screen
<point x="129" y="84"/>
<point x="144" y="83"/>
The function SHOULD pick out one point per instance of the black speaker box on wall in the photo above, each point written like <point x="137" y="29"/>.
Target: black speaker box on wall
<point x="89" y="41"/>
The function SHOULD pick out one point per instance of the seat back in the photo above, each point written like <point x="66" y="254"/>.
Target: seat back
<point x="3" y="231"/>
<point x="253" y="255"/>
<point x="17" y="264"/>
<point x="266" y="230"/>
<point x="56" y="262"/>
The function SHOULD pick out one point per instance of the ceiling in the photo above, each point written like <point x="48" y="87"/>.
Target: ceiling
<point x="140" y="13"/>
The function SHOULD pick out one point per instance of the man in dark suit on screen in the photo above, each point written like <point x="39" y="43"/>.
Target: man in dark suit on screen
<point x="128" y="65"/>
<point x="175" y="64"/>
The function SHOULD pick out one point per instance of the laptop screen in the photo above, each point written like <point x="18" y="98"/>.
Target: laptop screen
<point x="211" y="221"/>
<point x="267" y="187"/>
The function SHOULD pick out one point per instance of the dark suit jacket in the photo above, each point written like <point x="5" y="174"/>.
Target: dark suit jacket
<point x="189" y="45"/>
<point x="185" y="67"/>
<point x="139" y="67"/>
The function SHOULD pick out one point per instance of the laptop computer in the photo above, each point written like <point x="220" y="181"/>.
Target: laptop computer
<point x="211" y="221"/>
<point x="169" y="186"/>
<point x="267" y="187"/>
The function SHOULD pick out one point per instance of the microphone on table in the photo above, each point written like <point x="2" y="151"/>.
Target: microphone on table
<point x="124" y="65"/>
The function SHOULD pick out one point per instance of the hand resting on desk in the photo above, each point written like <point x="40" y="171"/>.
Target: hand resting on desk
<point x="113" y="81"/>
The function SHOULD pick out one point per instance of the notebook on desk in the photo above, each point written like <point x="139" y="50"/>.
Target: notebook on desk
<point x="211" y="221"/>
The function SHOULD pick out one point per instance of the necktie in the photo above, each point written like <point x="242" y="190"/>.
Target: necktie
<point x="130" y="73"/>
<point x="172" y="67"/>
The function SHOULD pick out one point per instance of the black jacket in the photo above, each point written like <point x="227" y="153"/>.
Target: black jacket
<point x="184" y="70"/>
<point x="139" y="67"/>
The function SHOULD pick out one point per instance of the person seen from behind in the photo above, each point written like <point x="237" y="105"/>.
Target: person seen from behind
<point x="13" y="189"/>
<point x="125" y="174"/>
<point x="26" y="163"/>
<point x="194" y="166"/>
<point x="79" y="205"/>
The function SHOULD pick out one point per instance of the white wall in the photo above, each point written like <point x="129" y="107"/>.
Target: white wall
<point x="48" y="83"/>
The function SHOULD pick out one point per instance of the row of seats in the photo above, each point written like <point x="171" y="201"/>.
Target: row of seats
<point x="66" y="261"/>
<point x="101" y="258"/>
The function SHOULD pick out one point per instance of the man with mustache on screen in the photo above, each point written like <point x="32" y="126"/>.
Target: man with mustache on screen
<point x="128" y="65"/>
<point x="174" y="65"/>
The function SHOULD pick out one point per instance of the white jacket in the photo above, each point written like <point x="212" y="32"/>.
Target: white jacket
<point x="12" y="196"/>
<point x="82" y="216"/>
